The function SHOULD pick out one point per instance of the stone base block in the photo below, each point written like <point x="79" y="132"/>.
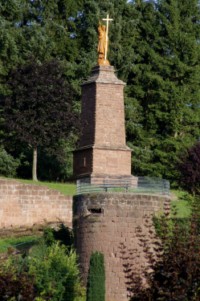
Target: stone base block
<point x="102" y="161"/>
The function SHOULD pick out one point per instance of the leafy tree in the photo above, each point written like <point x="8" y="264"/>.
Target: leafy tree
<point x="39" y="108"/>
<point x="55" y="161"/>
<point x="43" y="30"/>
<point x="96" y="278"/>
<point x="190" y="170"/>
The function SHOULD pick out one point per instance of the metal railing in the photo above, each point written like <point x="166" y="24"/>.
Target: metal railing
<point x="136" y="185"/>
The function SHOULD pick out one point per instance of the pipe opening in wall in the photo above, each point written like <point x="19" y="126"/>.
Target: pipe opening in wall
<point x="95" y="210"/>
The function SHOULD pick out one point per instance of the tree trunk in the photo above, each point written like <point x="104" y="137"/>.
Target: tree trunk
<point x="34" y="169"/>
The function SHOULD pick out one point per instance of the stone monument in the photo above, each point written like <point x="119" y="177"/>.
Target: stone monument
<point x="102" y="221"/>
<point x="102" y="149"/>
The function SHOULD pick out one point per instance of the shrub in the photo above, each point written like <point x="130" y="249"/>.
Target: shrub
<point x="8" y="164"/>
<point x="63" y="234"/>
<point x="96" y="278"/>
<point x="174" y="264"/>
<point x="56" y="273"/>
<point x="16" y="287"/>
<point x="190" y="170"/>
<point x="47" y="273"/>
<point x="15" y="282"/>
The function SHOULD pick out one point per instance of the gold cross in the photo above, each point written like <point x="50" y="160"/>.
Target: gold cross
<point x="107" y="27"/>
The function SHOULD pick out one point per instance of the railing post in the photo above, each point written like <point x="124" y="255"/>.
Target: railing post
<point x="145" y="185"/>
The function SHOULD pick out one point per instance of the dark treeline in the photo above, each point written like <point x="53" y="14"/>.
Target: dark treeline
<point x="155" y="49"/>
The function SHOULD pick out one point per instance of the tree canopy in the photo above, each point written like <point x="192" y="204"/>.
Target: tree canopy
<point x="38" y="110"/>
<point x="154" y="47"/>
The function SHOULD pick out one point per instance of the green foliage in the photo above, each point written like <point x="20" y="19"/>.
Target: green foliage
<point x="121" y="35"/>
<point x="15" y="281"/>
<point x="164" y="84"/>
<point x="16" y="242"/>
<point x="16" y="286"/>
<point x="63" y="234"/>
<point x="39" y="109"/>
<point x="154" y="46"/>
<point x="96" y="278"/>
<point x="48" y="270"/>
<point x="8" y="165"/>
<point x="55" y="272"/>
<point x="46" y="273"/>
<point x="57" y="159"/>
<point x="173" y="271"/>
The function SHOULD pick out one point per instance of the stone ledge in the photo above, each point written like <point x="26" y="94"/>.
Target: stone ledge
<point x="104" y="75"/>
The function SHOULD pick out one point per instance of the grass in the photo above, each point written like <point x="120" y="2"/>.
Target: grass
<point x="16" y="242"/>
<point x="181" y="205"/>
<point x="65" y="188"/>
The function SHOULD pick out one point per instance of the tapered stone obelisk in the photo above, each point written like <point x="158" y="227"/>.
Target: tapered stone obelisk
<point x="102" y="150"/>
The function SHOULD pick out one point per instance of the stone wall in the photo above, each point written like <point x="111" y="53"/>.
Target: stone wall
<point x="26" y="205"/>
<point x="111" y="223"/>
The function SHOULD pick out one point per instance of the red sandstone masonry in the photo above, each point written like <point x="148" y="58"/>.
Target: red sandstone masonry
<point x="102" y="148"/>
<point x="26" y="205"/>
<point x="109" y="230"/>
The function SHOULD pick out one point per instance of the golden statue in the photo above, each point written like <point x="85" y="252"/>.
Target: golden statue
<point x="103" y="43"/>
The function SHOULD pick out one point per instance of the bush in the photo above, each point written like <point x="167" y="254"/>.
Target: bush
<point x="8" y="164"/>
<point x="56" y="273"/>
<point x="46" y="273"/>
<point x="63" y="234"/>
<point x="16" y="286"/>
<point x="96" y="278"/>
<point x="190" y="170"/>
<point x="174" y="263"/>
<point x="15" y="282"/>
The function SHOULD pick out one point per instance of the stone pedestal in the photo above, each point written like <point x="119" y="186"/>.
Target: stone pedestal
<point x="102" y="149"/>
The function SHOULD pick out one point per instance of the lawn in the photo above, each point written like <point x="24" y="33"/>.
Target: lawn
<point x="16" y="242"/>
<point x="65" y="188"/>
<point x="181" y="205"/>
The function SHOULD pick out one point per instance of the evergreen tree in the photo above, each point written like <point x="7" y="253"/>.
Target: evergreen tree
<point x="10" y="36"/>
<point x="121" y="34"/>
<point x="164" y="85"/>
<point x="96" y="278"/>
